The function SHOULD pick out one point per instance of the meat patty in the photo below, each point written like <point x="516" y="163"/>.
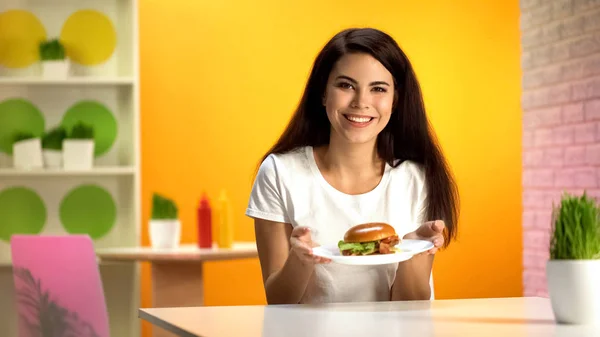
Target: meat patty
<point x="386" y="244"/>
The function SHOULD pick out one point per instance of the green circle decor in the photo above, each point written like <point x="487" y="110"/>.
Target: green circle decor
<point x="98" y="116"/>
<point x="88" y="209"/>
<point x="22" y="212"/>
<point x="18" y="115"/>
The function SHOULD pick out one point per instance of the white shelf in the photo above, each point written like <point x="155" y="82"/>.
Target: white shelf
<point x="85" y="81"/>
<point x="114" y="84"/>
<point x="96" y="171"/>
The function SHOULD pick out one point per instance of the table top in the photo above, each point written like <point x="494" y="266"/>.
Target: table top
<point x="514" y="317"/>
<point x="188" y="252"/>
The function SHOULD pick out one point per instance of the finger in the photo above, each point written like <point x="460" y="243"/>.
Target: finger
<point x="431" y="251"/>
<point x="438" y="226"/>
<point x="303" y="235"/>
<point x="319" y="259"/>
<point x="300" y="231"/>
<point x="306" y="250"/>
<point x="301" y="247"/>
<point x="426" y="230"/>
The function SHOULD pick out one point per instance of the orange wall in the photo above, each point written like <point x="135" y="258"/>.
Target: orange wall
<point x="214" y="71"/>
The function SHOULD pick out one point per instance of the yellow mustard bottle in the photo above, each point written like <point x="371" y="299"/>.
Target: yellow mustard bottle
<point x="225" y="221"/>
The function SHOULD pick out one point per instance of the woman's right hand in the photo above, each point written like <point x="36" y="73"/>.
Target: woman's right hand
<point x="302" y="244"/>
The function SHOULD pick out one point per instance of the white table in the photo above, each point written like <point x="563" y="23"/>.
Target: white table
<point x="177" y="273"/>
<point x="506" y="317"/>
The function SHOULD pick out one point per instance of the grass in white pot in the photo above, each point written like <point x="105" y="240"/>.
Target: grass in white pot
<point x="55" y="64"/>
<point x="78" y="148"/>
<point x="573" y="271"/>
<point x="27" y="151"/>
<point x="165" y="227"/>
<point x="52" y="144"/>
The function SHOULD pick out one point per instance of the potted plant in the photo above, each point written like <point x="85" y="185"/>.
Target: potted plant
<point x="78" y="148"/>
<point x="52" y="144"/>
<point x="573" y="271"/>
<point x="165" y="227"/>
<point x="55" y="64"/>
<point x="27" y="151"/>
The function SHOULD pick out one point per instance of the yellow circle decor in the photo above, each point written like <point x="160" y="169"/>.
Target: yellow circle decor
<point x="20" y="35"/>
<point x="89" y="37"/>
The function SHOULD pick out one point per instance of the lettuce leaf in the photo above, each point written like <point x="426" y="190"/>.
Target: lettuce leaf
<point x="363" y="248"/>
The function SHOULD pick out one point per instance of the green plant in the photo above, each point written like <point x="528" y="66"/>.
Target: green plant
<point x="20" y="136"/>
<point x="81" y="131"/>
<point x="53" y="139"/>
<point x="163" y="208"/>
<point x="52" y="50"/>
<point x="575" y="229"/>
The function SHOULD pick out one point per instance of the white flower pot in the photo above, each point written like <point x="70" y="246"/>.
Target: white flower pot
<point x="55" y="69"/>
<point x="78" y="154"/>
<point x="165" y="234"/>
<point x="52" y="158"/>
<point x="574" y="289"/>
<point x="27" y="154"/>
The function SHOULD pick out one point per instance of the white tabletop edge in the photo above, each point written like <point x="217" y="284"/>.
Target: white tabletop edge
<point x="503" y="315"/>
<point x="164" y="324"/>
<point x="183" y="253"/>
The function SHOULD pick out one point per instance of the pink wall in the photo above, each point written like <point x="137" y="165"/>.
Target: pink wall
<point x="561" y="117"/>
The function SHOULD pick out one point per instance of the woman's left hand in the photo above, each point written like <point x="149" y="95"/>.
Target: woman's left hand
<point x="429" y="231"/>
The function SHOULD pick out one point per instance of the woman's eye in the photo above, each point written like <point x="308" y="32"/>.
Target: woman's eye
<point x="379" y="89"/>
<point x="345" y="85"/>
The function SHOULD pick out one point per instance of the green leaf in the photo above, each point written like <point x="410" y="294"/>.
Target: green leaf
<point x="52" y="50"/>
<point x="81" y="130"/>
<point x="20" y="136"/>
<point x="363" y="248"/>
<point x="575" y="233"/>
<point x="53" y="139"/>
<point x="163" y="208"/>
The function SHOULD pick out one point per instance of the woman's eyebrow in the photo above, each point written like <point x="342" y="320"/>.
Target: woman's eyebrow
<point x="348" y="78"/>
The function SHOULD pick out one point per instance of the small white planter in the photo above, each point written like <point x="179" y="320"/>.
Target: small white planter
<point x="78" y="154"/>
<point x="55" y="69"/>
<point x="27" y="154"/>
<point x="52" y="158"/>
<point x="165" y="234"/>
<point x="574" y="289"/>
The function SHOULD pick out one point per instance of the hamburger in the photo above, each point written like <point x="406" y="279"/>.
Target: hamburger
<point x="369" y="239"/>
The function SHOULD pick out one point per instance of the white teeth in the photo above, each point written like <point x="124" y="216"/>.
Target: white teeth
<point x="359" y="119"/>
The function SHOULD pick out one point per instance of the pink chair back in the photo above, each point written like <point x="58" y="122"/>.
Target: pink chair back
<point x="58" y="287"/>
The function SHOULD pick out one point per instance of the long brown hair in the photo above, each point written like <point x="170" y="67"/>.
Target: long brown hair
<point x="407" y="136"/>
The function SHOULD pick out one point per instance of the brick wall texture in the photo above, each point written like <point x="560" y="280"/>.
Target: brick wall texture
<point x="560" y="60"/>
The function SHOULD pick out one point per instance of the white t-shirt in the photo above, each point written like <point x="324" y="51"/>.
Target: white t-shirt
<point x="290" y="188"/>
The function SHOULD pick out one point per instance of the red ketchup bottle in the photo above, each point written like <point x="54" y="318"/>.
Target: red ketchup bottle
<point x="204" y="223"/>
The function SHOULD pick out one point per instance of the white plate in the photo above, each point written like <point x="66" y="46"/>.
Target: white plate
<point x="408" y="248"/>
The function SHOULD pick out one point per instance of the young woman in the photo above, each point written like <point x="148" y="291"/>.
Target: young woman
<point x="358" y="149"/>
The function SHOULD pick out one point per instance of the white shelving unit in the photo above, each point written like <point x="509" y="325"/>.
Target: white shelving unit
<point x="115" y="85"/>
<point x="69" y="82"/>
<point x="98" y="171"/>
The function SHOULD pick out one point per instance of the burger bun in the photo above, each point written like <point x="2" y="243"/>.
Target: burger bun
<point x="373" y="231"/>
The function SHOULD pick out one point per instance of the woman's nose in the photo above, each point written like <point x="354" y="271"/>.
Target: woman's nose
<point x="360" y="101"/>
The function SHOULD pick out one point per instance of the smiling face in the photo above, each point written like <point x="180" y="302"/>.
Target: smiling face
<point x="358" y="98"/>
